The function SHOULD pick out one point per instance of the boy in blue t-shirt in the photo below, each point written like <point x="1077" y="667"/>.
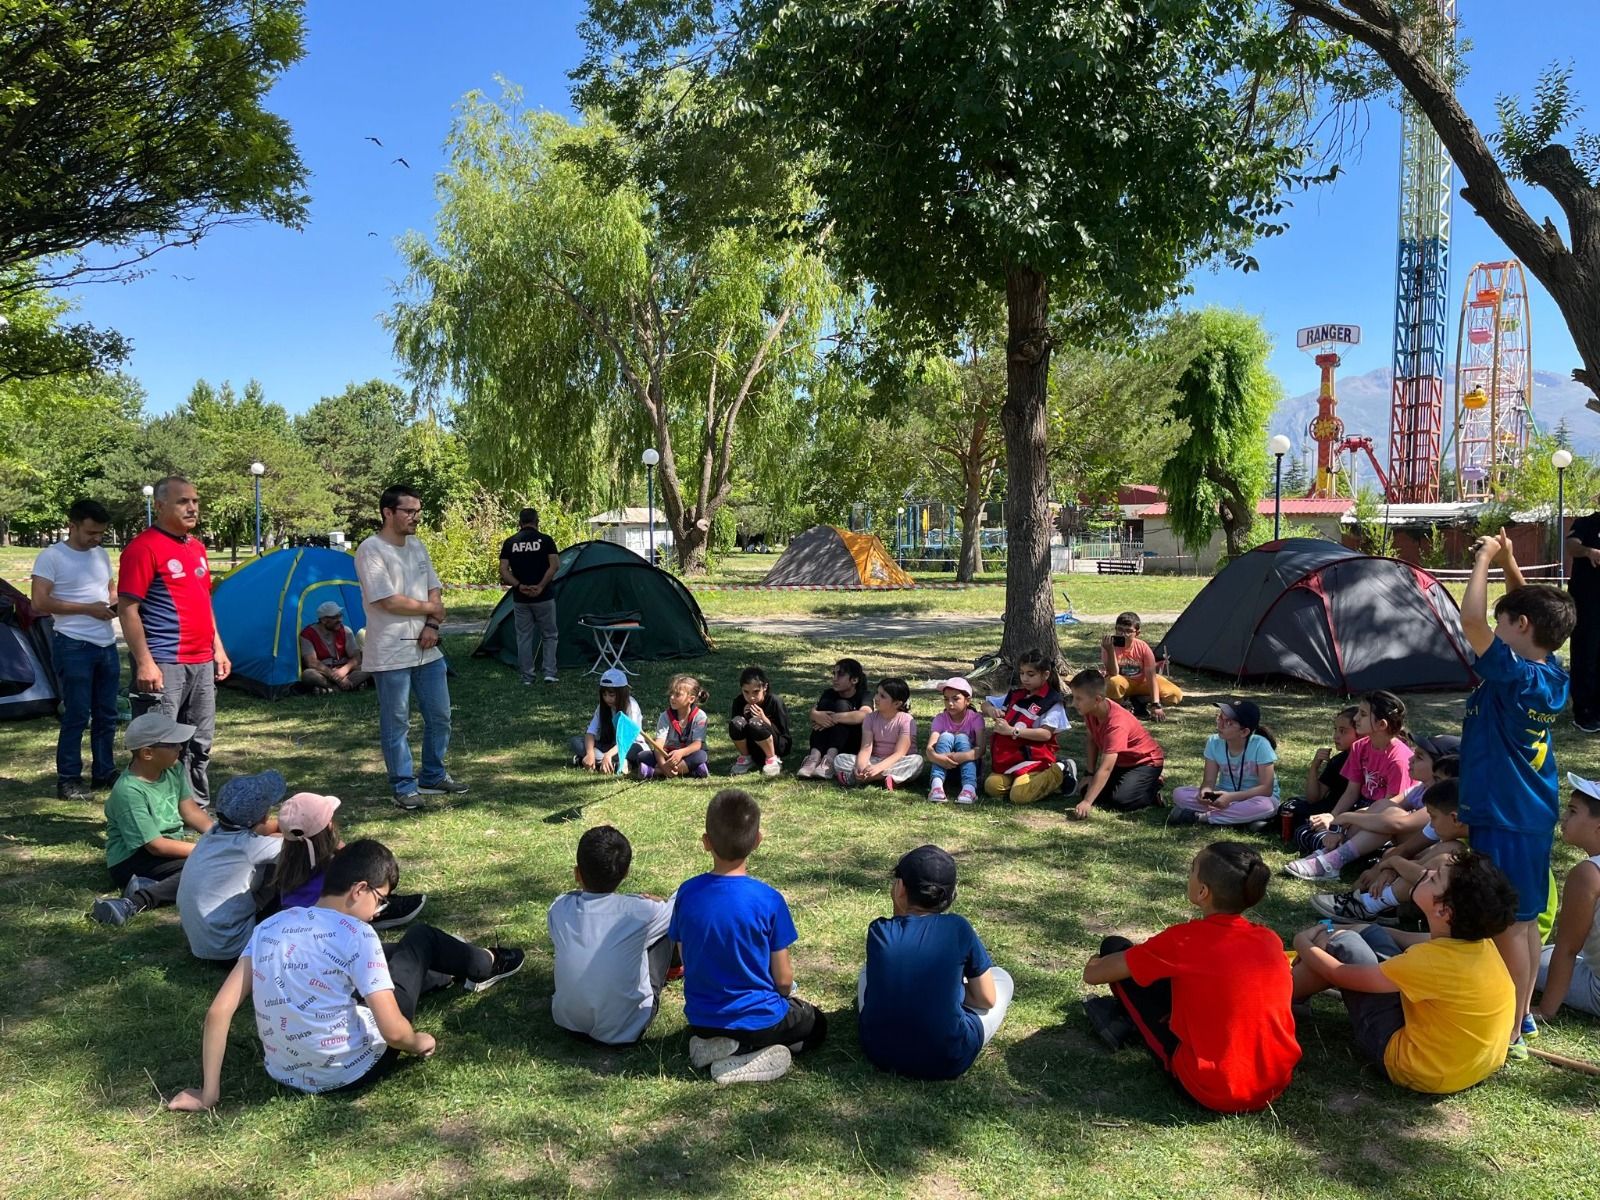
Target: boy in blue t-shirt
<point x="1510" y="788"/>
<point x="935" y="998"/>
<point x="733" y="934"/>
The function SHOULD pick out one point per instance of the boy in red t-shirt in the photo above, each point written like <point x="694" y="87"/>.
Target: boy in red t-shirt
<point x="1210" y="998"/>
<point x="1124" y="760"/>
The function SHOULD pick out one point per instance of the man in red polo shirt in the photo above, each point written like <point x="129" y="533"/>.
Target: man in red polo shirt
<point x="1125" y="762"/>
<point x="164" y="591"/>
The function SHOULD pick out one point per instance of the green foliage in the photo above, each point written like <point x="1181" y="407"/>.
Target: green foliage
<point x="1260" y="534"/>
<point x="139" y="125"/>
<point x="1226" y="396"/>
<point x="464" y="542"/>
<point x="577" y="330"/>
<point x="433" y="460"/>
<point x="1524" y="134"/>
<point x="1533" y="486"/>
<point x="35" y="343"/>
<point x="355" y="437"/>
<point x="1370" y="526"/>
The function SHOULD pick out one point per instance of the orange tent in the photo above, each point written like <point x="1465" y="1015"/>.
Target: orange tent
<point x="829" y="557"/>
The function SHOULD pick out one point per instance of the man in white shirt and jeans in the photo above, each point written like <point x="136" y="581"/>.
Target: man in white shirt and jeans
<point x="73" y="582"/>
<point x="404" y="613"/>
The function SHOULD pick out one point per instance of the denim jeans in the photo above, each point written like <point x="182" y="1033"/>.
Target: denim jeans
<point x="88" y="676"/>
<point x="951" y="743"/>
<point x="431" y="683"/>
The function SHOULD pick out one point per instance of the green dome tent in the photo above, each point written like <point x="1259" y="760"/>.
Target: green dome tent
<point x="604" y="579"/>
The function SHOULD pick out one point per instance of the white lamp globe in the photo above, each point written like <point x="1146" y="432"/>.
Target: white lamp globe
<point x="258" y="468"/>
<point x="148" y="490"/>
<point x="650" y="457"/>
<point x="1561" y="459"/>
<point x="1280" y="445"/>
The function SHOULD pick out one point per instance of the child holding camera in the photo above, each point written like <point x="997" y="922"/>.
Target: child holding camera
<point x="1133" y="677"/>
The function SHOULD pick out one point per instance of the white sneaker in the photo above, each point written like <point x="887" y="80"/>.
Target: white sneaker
<point x="936" y="791"/>
<point x="768" y="1063"/>
<point x="741" y="765"/>
<point x="967" y="796"/>
<point x="772" y="768"/>
<point x="811" y="765"/>
<point x="1313" y="866"/>
<point x="705" y="1051"/>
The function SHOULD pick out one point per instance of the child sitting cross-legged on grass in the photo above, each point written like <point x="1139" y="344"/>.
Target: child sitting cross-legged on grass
<point x="1378" y="770"/>
<point x="1432" y="1009"/>
<point x="733" y="934"/>
<point x="1209" y="998"/>
<point x="1569" y="970"/>
<point x="929" y="997"/>
<point x="1024" y="723"/>
<point x="612" y="952"/>
<point x="305" y="969"/>
<point x="231" y="878"/>
<point x="679" y="746"/>
<point x="1124" y="760"/>
<point x="1388" y="883"/>
<point x="887" y="736"/>
<point x="1240" y="785"/>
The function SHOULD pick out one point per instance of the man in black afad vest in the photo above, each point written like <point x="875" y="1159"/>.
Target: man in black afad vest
<point x="528" y="561"/>
<point x="1583" y="543"/>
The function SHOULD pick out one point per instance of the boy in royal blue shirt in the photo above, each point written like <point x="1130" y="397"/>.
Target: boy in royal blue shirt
<point x="929" y="997"/>
<point x="733" y="934"/>
<point x="1510" y="788"/>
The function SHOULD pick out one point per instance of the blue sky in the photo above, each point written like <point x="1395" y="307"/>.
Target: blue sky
<point x="299" y="310"/>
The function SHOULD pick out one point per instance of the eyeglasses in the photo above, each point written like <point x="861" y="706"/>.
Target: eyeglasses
<point x="383" y="901"/>
<point x="410" y="512"/>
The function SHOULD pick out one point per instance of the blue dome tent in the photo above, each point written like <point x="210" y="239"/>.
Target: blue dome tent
<point x="262" y="607"/>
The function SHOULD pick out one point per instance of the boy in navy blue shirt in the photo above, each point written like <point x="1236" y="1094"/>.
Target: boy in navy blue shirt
<point x="733" y="934"/>
<point x="929" y="997"/>
<point x="1510" y="789"/>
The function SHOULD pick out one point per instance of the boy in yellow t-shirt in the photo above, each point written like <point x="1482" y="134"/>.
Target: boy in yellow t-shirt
<point x="1431" y="1009"/>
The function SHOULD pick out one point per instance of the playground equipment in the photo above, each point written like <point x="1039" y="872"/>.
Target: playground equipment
<point x="1422" y="276"/>
<point x="1494" y="385"/>
<point x="1326" y="429"/>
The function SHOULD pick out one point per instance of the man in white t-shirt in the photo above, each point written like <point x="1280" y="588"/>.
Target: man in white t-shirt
<point x="404" y="615"/>
<point x="73" y="582"/>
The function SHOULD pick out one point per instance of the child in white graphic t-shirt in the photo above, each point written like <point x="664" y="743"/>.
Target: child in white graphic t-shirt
<point x="307" y="966"/>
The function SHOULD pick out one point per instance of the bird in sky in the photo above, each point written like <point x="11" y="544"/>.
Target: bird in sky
<point x="373" y="140"/>
<point x="403" y="163"/>
<point x="185" y="278"/>
<point x="370" y="233"/>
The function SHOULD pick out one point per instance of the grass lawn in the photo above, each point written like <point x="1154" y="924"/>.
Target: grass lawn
<point x="97" y="1024"/>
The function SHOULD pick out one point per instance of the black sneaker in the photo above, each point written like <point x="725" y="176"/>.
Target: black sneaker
<point x="1069" y="777"/>
<point x="1184" y="816"/>
<point x="1586" y="724"/>
<point x="1110" y="1024"/>
<point x="401" y="910"/>
<point x="72" y="789"/>
<point x="103" y="785"/>
<point x="507" y="962"/>
<point x="410" y="801"/>
<point x="445" y="787"/>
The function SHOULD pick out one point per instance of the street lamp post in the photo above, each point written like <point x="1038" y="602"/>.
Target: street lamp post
<point x="1561" y="460"/>
<point x="149" y="517"/>
<point x="902" y="534"/>
<point x="1279" y="447"/>
<point x="258" y="470"/>
<point x="650" y="458"/>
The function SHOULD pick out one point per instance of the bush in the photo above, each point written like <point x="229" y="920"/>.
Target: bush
<point x="466" y="546"/>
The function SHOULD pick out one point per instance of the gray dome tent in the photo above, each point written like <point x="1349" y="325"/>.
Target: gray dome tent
<point x="1316" y="611"/>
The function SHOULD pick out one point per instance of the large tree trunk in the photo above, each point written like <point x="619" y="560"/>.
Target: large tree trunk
<point x="1030" y="614"/>
<point x="971" y="561"/>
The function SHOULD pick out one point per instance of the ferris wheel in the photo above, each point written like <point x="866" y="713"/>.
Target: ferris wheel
<point x="1494" y="380"/>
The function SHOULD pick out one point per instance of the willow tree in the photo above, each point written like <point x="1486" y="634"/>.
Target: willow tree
<point x="1043" y="150"/>
<point x="579" y="324"/>
<point x="1226" y="397"/>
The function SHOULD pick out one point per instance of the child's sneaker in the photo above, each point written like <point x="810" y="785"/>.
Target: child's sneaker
<point x="705" y="1051"/>
<point x="741" y="765"/>
<point x="1530" y="1027"/>
<point x="842" y="779"/>
<point x="507" y="962"/>
<point x="646" y="771"/>
<point x="700" y="771"/>
<point x="936" y="791"/>
<point x="768" y="1063"/>
<point x="825" y="769"/>
<point x="773" y="767"/>
<point x="1517" y="1051"/>
<point x="401" y="910"/>
<point x="1069" y="776"/>
<point x="967" y="795"/>
<point x="1313" y="866"/>
<point x="1110" y="1024"/>
<point x="1345" y="908"/>
<point x="888" y="783"/>
<point x="113" y="910"/>
<point x="810" y="768"/>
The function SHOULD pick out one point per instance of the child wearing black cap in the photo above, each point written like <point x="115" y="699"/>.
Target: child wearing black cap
<point x="929" y="997"/>
<point x="1209" y="998"/>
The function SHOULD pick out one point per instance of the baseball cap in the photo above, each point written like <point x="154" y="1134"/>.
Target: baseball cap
<point x="959" y="682"/>
<point x="1587" y="786"/>
<point x="244" y="800"/>
<point x="155" y="729"/>
<point x="1246" y="712"/>
<point x="304" y="815"/>
<point x="329" y="608"/>
<point x="614" y="678"/>
<point x="929" y="874"/>
<point x="1439" y="745"/>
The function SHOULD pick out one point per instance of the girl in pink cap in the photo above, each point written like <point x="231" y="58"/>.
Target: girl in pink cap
<point x="956" y="741"/>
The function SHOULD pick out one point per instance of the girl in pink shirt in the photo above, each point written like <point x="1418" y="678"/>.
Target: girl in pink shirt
<point x="887" y="734"/>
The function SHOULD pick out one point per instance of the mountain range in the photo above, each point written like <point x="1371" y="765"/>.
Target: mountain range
<point x="1364" y="409"/>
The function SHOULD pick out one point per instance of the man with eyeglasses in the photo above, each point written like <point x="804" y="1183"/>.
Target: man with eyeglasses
<point x="401" y="594"/>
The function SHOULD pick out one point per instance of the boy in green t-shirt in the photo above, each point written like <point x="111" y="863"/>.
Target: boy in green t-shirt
<point x="147" y="810"/>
